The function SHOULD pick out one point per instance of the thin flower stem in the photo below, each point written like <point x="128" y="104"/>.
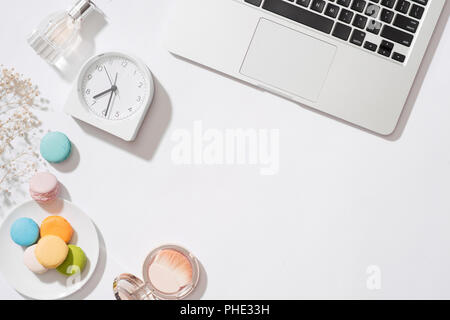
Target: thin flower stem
<point x="18" y="127"/>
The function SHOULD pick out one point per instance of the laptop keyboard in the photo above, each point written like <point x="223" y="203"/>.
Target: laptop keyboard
<point x="385" y="27"/>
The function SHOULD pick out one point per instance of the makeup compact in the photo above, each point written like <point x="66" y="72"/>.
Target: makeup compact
<point x="170" y="273"/>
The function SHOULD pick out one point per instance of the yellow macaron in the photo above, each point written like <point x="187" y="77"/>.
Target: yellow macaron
<point x="51" y="251"/>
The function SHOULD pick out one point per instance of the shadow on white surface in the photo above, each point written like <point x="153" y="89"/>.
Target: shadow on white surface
<point x="71" y="163"/>
<point x="64" y="193"/>
<point x="199" y="292"/>
<point x="152" y="131"/>
<point x="54" y="207"/>
<point x="69" y="67"/>
<point x="428" y="57"/>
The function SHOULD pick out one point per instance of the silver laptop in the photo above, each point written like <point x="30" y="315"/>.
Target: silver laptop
<point x="353" y="59"/>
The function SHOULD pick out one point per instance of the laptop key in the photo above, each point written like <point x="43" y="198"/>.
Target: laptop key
<point x="406" y="23"/>
<point x="422" y="2"/>
<point x="370" y="46"/>
<point x="398" y="57"/>
<point x="346" y="16"/>
<point x="332" y="10"/>
<point x="304" y="3"/>
<point x="384" y="52"/>
<point x="358" y="5"/>
<point x="318" y="5"/>
<point x="416" y="11"/>
<point x="360" y="21"/>
<point x="342" y="31"/>
<point x="385" y="48"/>
<point x="402" y="6"/>
<point x="388" y="3"/>
<point x="357" y="37"/>
<point x="372" y="10"/>
<point x="374" y="27"/>
<point x="387" y="15"/>
<point x="344" y="3"/>
<point x="387" y="45"/>
<point x="254" y="2"/>
<point x="397" y="35"/>
<point x="300" y="15"/>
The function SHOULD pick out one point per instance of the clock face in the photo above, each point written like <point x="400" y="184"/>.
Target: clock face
<point x="114" y="87"/>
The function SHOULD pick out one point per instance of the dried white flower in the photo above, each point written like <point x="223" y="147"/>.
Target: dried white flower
<point x="18" y="130"/>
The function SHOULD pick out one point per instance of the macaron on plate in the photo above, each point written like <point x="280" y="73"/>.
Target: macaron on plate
<point x="20" y="259"/>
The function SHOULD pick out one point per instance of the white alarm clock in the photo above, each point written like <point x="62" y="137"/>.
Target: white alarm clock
<point x="113" y="92"/>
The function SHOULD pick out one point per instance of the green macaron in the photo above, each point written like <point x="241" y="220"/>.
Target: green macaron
<point x="55" y="147"/>
<point x="74" y="263"/>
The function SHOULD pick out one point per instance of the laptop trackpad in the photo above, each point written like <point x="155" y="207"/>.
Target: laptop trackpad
<point x="288" y="60"/>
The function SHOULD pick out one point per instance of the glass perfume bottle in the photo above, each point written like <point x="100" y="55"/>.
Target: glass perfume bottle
<point x="60" y="32"/>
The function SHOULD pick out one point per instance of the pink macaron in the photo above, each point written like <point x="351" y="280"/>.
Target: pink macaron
<point x="44" y="187"/>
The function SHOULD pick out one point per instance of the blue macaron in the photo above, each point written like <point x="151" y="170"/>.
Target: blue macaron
<point x="55" y="147"/>
<point x="24" y="232"/>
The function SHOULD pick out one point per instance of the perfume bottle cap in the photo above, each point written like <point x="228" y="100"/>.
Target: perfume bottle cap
<point x="81" y="9"/>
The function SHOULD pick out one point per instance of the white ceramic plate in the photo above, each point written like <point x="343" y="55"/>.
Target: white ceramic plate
<point x="51" y="285"/>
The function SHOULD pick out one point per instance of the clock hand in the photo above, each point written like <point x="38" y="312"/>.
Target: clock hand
<point x="113" y="88"/>
<point x="109" y="103"/>
<point x="110" y="97"/>
<point x="110" y="81"/>
<point x="107" y="73"/>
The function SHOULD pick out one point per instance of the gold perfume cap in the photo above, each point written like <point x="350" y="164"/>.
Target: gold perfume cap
<point x="81" y="9"/>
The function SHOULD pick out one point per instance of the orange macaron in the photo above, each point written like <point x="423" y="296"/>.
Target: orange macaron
<point x="57" y="226"/>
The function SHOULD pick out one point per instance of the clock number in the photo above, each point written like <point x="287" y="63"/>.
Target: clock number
<point x="99" y="75"/>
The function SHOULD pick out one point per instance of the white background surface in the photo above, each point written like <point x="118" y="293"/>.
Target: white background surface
<point x="344" y="199"/>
